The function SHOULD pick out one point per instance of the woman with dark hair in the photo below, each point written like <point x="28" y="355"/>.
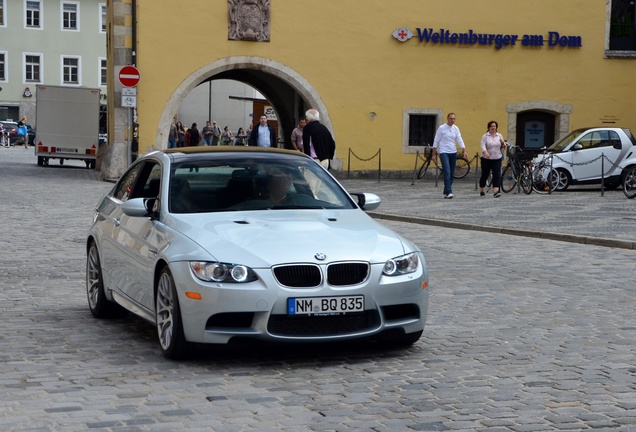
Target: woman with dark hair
<point x="227" y="136"/>
<point x="240" y="137"/>
<point x="180" y="135"/>
<point x="491" y="145"/>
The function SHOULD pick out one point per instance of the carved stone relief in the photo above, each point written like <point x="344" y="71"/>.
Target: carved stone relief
<point x="248" y="20"/>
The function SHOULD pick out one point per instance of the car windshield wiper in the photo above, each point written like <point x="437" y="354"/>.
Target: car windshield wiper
<point x="295" y="207"/>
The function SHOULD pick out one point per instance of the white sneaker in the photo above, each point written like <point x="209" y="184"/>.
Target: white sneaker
<point x="449" y="196"/>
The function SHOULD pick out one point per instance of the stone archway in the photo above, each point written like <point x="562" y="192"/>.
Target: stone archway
<point x="288" y="91"/>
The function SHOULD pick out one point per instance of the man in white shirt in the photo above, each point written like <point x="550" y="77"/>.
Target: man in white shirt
<point x="445" y="143"/>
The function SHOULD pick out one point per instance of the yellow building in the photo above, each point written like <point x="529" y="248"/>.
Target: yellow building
<point x="384" y="75"/>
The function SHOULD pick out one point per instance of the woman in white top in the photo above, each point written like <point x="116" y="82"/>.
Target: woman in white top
<point x="491" y="145"/>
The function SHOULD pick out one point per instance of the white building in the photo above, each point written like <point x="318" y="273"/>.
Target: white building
<point x="49" y="42"/>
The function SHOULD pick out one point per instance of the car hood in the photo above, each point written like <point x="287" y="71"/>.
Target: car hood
<point x="266" y="238"/>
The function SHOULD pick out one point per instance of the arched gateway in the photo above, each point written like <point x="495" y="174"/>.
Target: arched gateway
<point x="289" y="92"/>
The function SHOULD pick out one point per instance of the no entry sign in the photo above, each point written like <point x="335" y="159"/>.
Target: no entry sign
<point x="129" y="76"/>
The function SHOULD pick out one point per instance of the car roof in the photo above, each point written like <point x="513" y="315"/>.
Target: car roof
<point x="602" y="127"/>
<point x="185" y="153"/>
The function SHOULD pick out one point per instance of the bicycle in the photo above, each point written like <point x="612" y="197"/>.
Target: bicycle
<point x="4" y="138"/>
<point x="545" y="179"/>
<point x="462" y="166"/>
<point x="517" y="172"/>
<point x="629" y="182"/>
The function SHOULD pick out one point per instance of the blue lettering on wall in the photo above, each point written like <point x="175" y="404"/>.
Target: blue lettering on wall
<point x="555" y="39"/>
<point x="497" y="40"/>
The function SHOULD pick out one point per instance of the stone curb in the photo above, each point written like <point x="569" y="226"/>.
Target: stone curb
<point x="570" y="238"/>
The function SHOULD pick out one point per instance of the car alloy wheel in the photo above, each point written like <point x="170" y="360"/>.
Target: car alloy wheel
<point x="563" y="179"/>
<point x="99" y="305"/>
<point x="168" y="318"/>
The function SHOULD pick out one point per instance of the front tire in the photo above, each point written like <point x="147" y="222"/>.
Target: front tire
<point x="563" y="180"/>
<point x="544" y="180"/>
<point x="168" y="318"/>
<point x="462" y="168"/>
<point x="99" y="305"/>
<point x="629" y="183"/>
<point x="526" y="180"/>
<point x="422" y="172"/>
<point x="508" y="180"/>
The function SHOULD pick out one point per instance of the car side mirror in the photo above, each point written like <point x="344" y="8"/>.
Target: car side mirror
<point x="141" y="207"/>
<point x="577" y="146"/>
<point x="367" y="201"/>
<point x="617" y="145"/>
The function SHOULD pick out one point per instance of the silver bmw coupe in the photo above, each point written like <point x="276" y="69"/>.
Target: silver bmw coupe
<point x="212" y="244"/>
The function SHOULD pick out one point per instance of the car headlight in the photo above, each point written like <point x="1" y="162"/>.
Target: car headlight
<point x="222" y="272"/>
<point x="401" y="265"/>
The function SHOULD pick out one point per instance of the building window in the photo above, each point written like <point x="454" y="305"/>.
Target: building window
<point x="622" y="26"/>
<point x="32" y="67"/>
<point x="33" y="14"/>
<point x="2" y="9"/>
<point x="422" y="129"/>
<point x="103" y="77"/>
<point x="102" y="17"/>
<point x="3" y="66"/>
<point x="70" y="70"/>
<point x="70" y="15"/>
<point x="418" y="128"/>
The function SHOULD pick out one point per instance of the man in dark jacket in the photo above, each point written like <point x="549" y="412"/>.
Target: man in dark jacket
<point x="193" y="136"/>
<point x="263" y="135"/>
<point x="317" y="140"/>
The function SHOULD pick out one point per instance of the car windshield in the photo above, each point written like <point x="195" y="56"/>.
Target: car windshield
<point x="562" y="144"/>
<point x="240" y="181"/>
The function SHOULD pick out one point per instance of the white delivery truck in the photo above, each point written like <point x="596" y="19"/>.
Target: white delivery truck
<point x="67" y="124"/>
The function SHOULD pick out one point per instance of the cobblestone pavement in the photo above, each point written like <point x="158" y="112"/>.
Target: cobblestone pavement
<point x="523" y="334"/>
<point x="579" y="214"/>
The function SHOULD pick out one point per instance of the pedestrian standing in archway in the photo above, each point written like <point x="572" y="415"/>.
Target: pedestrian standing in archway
<point x="180" y="135"/>
<point x="216" y="134"/>
<point x="193" y="136"/>
<point x="263" y="135"/>
<point x="297" y="135"/>
<point x="207" y="133"/>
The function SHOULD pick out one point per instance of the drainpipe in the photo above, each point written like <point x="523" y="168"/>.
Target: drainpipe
<point x="134" y="33"/>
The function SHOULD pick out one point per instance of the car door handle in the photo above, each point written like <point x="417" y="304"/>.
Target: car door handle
<point x="117" y="222"/>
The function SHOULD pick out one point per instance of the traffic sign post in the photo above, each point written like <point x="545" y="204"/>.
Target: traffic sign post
<point x="129" y="76"/>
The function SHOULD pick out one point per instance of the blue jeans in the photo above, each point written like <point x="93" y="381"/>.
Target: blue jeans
<point x="172" y="143"/>
<point x="448" y="166"/>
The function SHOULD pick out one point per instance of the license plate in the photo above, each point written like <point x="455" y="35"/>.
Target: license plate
<point x="325" y="305"/>
<point x="66" y="150"/>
